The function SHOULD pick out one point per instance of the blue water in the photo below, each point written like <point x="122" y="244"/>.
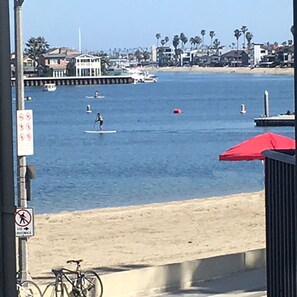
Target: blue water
<point x="156" y="155"/>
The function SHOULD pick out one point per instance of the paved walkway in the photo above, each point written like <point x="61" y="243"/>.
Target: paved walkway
<point x="244" y="284"/>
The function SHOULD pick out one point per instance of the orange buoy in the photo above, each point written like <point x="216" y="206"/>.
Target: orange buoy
<point x="177" y="110"/>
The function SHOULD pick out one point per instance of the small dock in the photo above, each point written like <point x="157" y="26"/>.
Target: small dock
<point x="75" y="80"/>
<point x="276" y="121"/>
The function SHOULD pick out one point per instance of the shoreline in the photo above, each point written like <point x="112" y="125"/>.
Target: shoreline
<point x="121" y="238"/>
<point x="238" y="70"/>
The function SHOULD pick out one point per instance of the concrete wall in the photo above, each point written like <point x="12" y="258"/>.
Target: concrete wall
<point x="173" y="277"/>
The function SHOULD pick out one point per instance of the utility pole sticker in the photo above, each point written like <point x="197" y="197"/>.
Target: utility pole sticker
<point x="25" y="132"/>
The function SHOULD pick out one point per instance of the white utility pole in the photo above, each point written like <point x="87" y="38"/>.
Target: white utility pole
<point x="21" y="160"/>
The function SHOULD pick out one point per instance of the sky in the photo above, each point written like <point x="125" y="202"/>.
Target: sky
<point x="129" y="24"/>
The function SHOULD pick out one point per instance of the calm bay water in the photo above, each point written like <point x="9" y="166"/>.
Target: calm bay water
<point x="156" y="155"/>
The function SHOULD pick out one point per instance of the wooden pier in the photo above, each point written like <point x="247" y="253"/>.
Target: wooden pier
<point x="74" y="80"/>
<point x="276" y="121"/>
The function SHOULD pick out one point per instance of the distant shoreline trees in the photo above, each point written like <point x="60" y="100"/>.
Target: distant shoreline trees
<point x="35" y="47"/>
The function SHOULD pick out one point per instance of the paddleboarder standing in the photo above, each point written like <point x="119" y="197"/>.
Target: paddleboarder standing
<point x="99" y="119"/>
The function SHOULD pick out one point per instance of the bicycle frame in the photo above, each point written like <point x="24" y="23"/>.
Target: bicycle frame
<point x="76" y="283"/>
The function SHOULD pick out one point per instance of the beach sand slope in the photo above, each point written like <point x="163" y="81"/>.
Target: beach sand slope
<point x="122" y="238"/>
<point x="239" y="70"/>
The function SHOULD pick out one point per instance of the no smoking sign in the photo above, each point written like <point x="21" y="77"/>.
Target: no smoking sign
<point x="24" y="226"/>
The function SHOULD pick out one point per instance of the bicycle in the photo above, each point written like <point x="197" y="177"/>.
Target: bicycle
<point x="28" y="288"/>
<point x="82" y="283"/>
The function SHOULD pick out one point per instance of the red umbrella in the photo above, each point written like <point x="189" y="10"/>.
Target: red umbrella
<point x="252" y="148"/>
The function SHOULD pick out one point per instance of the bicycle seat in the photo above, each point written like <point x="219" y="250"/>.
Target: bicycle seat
<point x="75" y="261"/>
<point x="57" y="272"/>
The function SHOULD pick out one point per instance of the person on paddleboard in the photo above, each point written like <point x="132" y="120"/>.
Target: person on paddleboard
<point x="100" y="120"/>
<point x="97" y="95"/>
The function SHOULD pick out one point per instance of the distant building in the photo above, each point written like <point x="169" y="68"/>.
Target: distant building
<point x="87" y="65"/>
<point x="154" y="54"/>
<point x="256" y="54"/>
<point x="54" y="62"/>
<point x="235" y="58"/>
<point x="285" y="56"/>
<point x="162" y="55"/>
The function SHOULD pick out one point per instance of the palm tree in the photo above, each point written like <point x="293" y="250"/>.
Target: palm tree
<point x="183" y="39"/>
<point x="216" y="44"/>
<point x="175" y="43"/>
<point x="244" y="29"/>
<point x="139" y="55"/>
<point x="211" y="34"/>
<point x="158" y="36"/>
<point x="198" y="40"/>
<point x="35" y="48"/>
<point x="249" y="36"/>
<point x="146" y="55"/>
<point x="237" y="34"/>
<point x="192" y="42"/>
<point x="203" y="32"/>
<point x="166" y="39"/>
<point x="163" y="42"/>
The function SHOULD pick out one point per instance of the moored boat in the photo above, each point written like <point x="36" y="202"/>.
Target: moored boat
<point x="140" y="76"/>
<point x="49" y="87"/>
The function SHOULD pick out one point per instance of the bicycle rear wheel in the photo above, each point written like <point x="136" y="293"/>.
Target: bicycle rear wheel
<point x="91" y="284"/>
<point x="28" y="289"/>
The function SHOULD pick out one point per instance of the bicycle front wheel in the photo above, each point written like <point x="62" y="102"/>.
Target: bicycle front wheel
<point x="28" y="289"/>
<point x="91" y="284"/>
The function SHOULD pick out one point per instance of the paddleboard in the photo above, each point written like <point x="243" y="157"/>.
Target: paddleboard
<point x="100" y="131"/>
<point x="93" y="97"/>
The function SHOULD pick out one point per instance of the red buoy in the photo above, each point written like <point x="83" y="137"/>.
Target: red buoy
<point x="177" y="110"/>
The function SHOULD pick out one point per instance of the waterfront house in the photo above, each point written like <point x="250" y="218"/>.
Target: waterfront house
<point x="55" y="64"/>
<point x="285" y="55"/>
<point x="235" y="58"/>
<point x="256" y="53"/>
<point x="55" y="61"/>
<point x="29" y="65"/>
<point x="87" y="65"/>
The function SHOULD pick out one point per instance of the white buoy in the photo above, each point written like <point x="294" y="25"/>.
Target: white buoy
<point x="89" y="108"/>
<point x="242" y="109"/>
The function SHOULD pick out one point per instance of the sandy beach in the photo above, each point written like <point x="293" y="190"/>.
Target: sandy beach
<point x="239" y="70"/>
<point x="122" y="238"/>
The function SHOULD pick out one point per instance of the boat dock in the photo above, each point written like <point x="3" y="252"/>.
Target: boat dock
<point x="75" y="80"/>
<point x="277" y="120"/>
